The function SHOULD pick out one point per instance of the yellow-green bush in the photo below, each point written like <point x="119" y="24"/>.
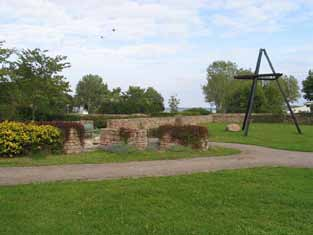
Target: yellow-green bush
<point x="18" y="138"/>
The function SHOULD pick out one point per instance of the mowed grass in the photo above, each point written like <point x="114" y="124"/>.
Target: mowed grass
<point x="280" y="136"/>
<point x="107" y="157"/>
<point x="275" y="201"/>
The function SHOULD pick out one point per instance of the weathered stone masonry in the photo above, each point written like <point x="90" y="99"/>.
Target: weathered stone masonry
<point x="138" y="138"/>
<point x="72" y="144"/>
<point x="149" y="123"/>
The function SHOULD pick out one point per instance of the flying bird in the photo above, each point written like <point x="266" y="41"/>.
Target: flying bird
<point x="113" y="30"/>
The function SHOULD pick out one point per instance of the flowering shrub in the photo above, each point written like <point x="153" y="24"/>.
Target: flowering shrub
<point x="187" y="135"/>
<point x="65" y="128"/>
<point x="18" y="138"/>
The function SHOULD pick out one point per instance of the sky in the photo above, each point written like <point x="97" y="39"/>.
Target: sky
<point x="164" y="44"/>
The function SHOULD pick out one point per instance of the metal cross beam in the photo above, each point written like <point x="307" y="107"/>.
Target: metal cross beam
<point x="255" y="77"/>
<point x="265" y="76"/>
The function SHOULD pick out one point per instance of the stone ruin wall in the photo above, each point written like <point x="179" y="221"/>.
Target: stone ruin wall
<point x="155" y="122"/>
<point x="138" y="138"/>
<point x="72" y="144"/>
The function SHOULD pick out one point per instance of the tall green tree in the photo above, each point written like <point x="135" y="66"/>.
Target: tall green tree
<point x="268" y="98"/>
<point x="220" y="83"/>
<point x="112" y="104"/>
<point x="238" y="100"/>
<point x="91" y="92"/>
<point x="154" y="102"/>
<point x="307" y="85"/>
<point x="41" y="87"/>
<point x="5" y="54"/>
<point x="7" y="88"/>
<point x="134" y="100"/>
<point x="290" y="87"/>
<point x="231" y="95"/>
<point x="275" y="102"/>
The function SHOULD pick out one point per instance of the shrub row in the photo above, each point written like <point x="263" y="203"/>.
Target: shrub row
<point x="18" y="138"/>
<point x="187" y="135"/>
<point x="195" y="112"/>
<point x="187" y="112"/>
<point x="59" y="117"/>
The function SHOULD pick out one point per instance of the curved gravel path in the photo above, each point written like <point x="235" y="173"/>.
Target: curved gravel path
<point x="250" y="156"/>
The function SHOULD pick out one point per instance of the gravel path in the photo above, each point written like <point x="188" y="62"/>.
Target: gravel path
<point x="250" y="156"/>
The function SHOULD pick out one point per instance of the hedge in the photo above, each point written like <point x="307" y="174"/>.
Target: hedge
<point x="18" y="138"/>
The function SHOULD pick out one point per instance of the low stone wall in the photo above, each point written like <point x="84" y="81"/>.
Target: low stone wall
<point x="72" y="144"/>
<point x="149" y="123"/>
<point x="109" y="137"/>
<point x="166" y="142"/>
<point x="228" y="117"/>
<point x="138" y="138"/>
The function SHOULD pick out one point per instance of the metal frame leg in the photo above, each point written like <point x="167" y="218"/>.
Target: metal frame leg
<point x="283" y="94"/>
<point x="246" y="122"/>
<point x="247" y="110"/>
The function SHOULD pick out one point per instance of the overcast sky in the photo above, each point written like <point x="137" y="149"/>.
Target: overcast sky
<point x="165" y="44"/>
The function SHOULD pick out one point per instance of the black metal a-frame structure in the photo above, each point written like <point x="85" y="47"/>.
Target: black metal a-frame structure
<point x="269" y="77"/>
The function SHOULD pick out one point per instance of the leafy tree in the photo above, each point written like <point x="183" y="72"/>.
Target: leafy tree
<point x="308" y="86"/>
<point x="41" y="87"/>
<point x="238" y="100"/>
<point x="220" y="83"/>
<point x="112" y="105"/>
<point x="154" y="102"/>
<point x="230" y="95"/>
<point x="5" y="54"/>
<point x="91" y="92"/>
<point x="173" y="102"/>
<point x="7" y="89"/>
<point x="134" y="100"/>
<point x="268" y="98"/>
<point x="290" y="87"/>
<point x="275" y="102"/>
<point x="274" y="99"/>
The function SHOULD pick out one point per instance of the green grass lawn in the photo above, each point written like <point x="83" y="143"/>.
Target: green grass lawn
<point x="105" y="157"/>
<point x="275" y="201"/>
<point x="280" y="136"/>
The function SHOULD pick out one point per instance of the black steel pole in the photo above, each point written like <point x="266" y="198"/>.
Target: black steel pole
<point x="248" y="114"/>
<point x="247" y="110"/>
<point x="289" y="107"/>
<point x="252" y="94"/>
<point x="283" y="94"/>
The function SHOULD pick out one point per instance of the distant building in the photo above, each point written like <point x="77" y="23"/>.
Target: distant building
<point x="306" y="108"/>
<point x="80" y="110"/>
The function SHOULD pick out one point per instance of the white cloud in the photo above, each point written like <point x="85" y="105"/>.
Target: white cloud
<point x="133" y="20"/>
<point x="163" y="43"/>
<point x="243" y="16"/>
